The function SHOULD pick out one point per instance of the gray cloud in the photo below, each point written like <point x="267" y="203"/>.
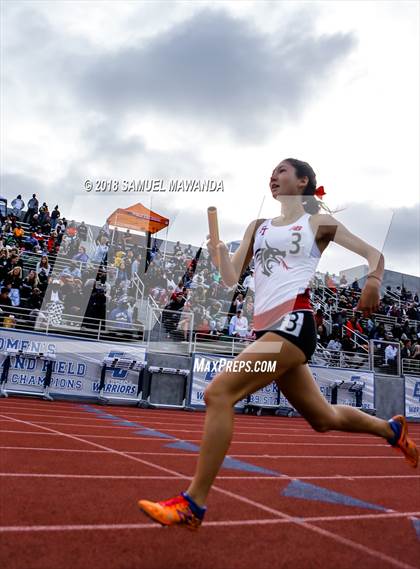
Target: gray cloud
<point x="13" y="184"/>
<point x="216" y="69"/>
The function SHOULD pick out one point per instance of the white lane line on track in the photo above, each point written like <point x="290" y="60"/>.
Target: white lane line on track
<point x="305" y="431"/>
<point x="154" y="526"/>
<point x="175" y="439"/>
<point x="306" y="525"/>
<point x="277" y="478"/>
<point x="194" y="454"/>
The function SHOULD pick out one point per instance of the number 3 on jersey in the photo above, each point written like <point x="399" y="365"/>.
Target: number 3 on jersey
<point x="292" y="323"/>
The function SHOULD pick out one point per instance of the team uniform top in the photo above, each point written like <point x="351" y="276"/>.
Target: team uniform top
<point x="285" y="260"/>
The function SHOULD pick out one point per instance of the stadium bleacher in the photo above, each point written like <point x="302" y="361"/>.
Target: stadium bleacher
<point x="76" y="279"/>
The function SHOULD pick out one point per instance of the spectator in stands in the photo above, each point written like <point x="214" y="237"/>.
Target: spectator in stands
<point x="355" y="285"/>
<point x="238" y="303"/>
<point x="177" y="249"/>
<point x="101" y="251"/>
<point x="249" y="282"/>
<point x="343" y="281"/>
<point x="413" y="312"/>
<point x="33" y="205"/>
<point x="34" y="301"/>
<point x="17" y="204"/>
<point x="136" y="265"/>
<point x="5" y="301"/>
<point x="44" y="214"/>
<point x="122" y="275"/>
<point x="379" y="333"/>
<point x="82" y="231"/>
<point x="43" y="266"/>
<point x="353" y="325"/>
<point x="188" y="251"/>
<point x="416" y="350"/>
<point x="238" y="325"/>
<point x="406" y="350"/>
<point x="121" y="317"/>
<point x="55" y="216"/>
<point x="391" y="353"/>
<point x="3" y="263"/>
<point x="334" y="344"/>
<point x="14" y="280"/>
<point x="81" y="256"/>
<point x="19" y="233"/>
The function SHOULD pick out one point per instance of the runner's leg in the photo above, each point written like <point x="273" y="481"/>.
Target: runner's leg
<point x="225" y="390"/>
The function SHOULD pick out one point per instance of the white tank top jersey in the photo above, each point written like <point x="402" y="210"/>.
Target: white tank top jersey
<point x="285" y="259"/>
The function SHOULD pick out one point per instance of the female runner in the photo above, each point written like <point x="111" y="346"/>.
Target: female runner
<point x="286" y="252"/>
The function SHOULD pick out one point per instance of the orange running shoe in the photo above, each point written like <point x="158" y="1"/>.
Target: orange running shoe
<point x="401" y="440"/>
<point x="180" y="510"/>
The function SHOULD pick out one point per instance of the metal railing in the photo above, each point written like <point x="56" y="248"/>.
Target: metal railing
<point x="340" y="358"/>
<point x="360" y="341"/>
<point x="390" y="366"/>
<point x="71" y="325"/>
<point x="170" y="331"/>
<point x="410" y="366"/>
<point x="212" y="344"/>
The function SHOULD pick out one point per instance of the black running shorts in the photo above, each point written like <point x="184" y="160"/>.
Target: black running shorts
<point x="297" y="326"/>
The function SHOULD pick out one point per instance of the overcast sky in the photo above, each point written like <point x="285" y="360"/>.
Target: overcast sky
<point x="221" y="91"/>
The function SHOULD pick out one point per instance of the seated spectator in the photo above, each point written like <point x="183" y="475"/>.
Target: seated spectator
<point x="406" y="350"/>
<point x="14" y="281"/>
<point x="238" y="303"/>
<point x="121" y="317"/>
<point x="334" y="344"/>
<point x="379" y="332"/>
<point x="28" y="284"/>
<point x="238" y="325"/>
<point x="5" y="301"/>
<point x="34" y="302"/>
<point x="391" y="352"/>
<point x="203" y="327"/>
<point x="19" y="234"/>
<point x="43" y="266"/>
<point x="81" y="255"/>
<point x="353" y="326"/>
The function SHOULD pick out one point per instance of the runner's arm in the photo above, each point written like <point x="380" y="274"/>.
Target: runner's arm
<point x="369" y="300"/>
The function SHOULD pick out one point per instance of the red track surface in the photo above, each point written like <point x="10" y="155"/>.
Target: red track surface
<point x="70" y="481"/>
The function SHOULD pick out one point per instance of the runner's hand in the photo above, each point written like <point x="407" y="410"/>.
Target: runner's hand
<point x="370" y="298"/>
<point x="221" y="248"/>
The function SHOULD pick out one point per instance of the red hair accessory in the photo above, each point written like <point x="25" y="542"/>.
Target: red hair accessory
<point x="319" y="192"/>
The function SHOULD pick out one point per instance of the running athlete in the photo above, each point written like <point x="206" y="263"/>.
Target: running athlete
<point x="286" y="252"/>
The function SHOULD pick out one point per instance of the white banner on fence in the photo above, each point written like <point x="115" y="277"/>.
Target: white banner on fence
<point x="76" y="368"/>
<point x="412" y="397"/>
<point x="326" y="378"/>
<point x="206" y="366"/>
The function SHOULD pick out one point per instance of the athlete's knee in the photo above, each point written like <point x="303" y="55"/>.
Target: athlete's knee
<point x="217" y="395"/>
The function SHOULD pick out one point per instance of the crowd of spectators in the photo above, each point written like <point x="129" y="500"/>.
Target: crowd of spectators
<point x="46" y="270"/>
<point x="341" y="328"/>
